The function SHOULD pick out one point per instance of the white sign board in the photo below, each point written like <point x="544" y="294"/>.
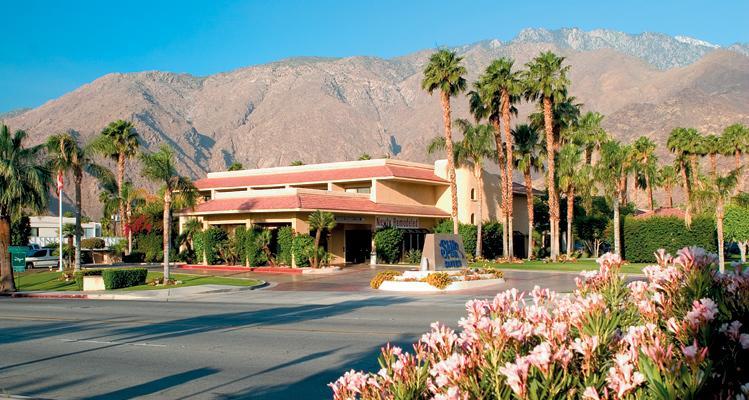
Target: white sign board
<point x="443" y="251"/>
<point x="398" y="222"/>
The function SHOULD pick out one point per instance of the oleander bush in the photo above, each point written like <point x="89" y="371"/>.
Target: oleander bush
<point x="641" y="238"/>
<point x="388" y="242"/>
<point x="93" y="243"/>
<point x="115" y="278"/>
<point x="683" y="333"/>
<point x="382" y="277"/>
<point x="440" y="280"/>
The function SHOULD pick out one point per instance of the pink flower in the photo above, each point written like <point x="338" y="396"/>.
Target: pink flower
<point x="702" y="312"/>
<point x="517" y="375"/>
<point x="694" y="354"/>
<point x="622" y="377"/>
<point x="744" y="340"/>
<point x="590" y="393"/>
<point x="540" y="356"/>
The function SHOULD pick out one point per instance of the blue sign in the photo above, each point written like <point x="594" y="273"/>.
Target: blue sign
<point x="450" y="252"/>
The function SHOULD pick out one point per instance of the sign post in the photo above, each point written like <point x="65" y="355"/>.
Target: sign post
<point x="443" y="251"/>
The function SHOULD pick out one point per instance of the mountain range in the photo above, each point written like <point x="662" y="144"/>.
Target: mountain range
<point x="332" y="109"/>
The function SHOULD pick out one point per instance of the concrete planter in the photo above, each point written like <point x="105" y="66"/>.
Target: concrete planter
<point x="93" y="282"/>
<point x="320" y="271"/>
<point x="416" y="286"/>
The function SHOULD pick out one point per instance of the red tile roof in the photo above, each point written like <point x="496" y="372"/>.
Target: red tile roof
<point x="311" y="202"/>
<point x="351" y="173"/>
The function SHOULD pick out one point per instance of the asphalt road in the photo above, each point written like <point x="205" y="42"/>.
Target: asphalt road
<point x="259" y="344"/>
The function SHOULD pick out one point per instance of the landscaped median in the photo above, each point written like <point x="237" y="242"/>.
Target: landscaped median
<point x="436" y="281"/>
<point x="568" y="266"/>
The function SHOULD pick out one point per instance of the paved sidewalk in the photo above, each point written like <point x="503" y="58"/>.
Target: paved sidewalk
<point x="171" y="294"/>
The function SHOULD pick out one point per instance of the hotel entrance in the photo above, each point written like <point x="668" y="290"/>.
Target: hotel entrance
<point x="358" y="245"/>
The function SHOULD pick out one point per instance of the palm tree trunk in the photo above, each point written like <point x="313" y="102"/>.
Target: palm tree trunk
<point x="669" y="192"/>
<point x="480" y="214"/>
<point x="650" y="192"/>
<point x="719" y="220"/>
<point x="509" y="162"/>
<point x="167" y="232"/>
<point x="7" y="283"/>
<point x="120" y="182"/>
<point x="502" y="182"/>
<point x="128" y="212"/>
<point x="550" y="183"/>
<point x="742" y="250"/>
<point x="713" y="164"/>
<point x="78" y="206"/>
<point x="446" y="119"/>
<point x="529" y="201"/>
<point x="687" y="194"/>
<point x="617" y="229"/>
<point x="570" y="216"/>
<point x="318" y="233"/>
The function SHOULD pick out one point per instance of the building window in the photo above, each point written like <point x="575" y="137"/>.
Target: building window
<point x="473" y="194"/>
<point x="472" y="219"/>
<point x="34" y="232"/>
<point x="363" y="189"/>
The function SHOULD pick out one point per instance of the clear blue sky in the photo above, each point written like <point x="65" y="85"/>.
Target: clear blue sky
<point x="48" y="48"/>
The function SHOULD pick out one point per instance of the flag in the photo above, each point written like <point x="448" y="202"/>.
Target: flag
<point x="60" y="181"/>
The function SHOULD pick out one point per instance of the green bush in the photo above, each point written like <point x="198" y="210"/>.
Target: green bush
<point x="284" y="245"/>
<point x="207" y="244"/>
<point x="642" y="237"/>
<point x="467" y="232"/>
<point x="85" y="272"/>
<point x="93" y="243"/>
<point x="303" y="247"/>
<point x="151" y="245"/>
<point x="247" y="247"/>
<point x="413" y="256"/>
<point x="122" y="278"/>
<point x="491" y="239"/>
<point x="389" y="242"/>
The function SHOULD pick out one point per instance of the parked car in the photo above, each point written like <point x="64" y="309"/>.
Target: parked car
<point x="41" y="258"/>
<point x="33" y="247"/>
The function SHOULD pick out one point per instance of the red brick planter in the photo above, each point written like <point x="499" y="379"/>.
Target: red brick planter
<point x="237" y="268"/>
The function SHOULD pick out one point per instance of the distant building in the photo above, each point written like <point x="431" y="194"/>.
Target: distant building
<point x="363" y="195"/>
<point x="44" y="229"/>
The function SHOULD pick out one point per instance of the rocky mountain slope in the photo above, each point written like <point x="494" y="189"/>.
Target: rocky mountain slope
<point x="323" y="109"/>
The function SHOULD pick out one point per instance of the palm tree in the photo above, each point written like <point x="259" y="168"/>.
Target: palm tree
<point x="528" y="159"/>
<point x="719" y="191"/>
<point x="160" y="167"/>
<point x="610" y="171"/>
<point x="714" y="146"/>
<point x="736" y="137"/>
<point x="365" y="156"/>
<point x="546" y="81"/>
<point x="319" y="221"/>
<point x="235" y="166"/>
<point x="118" y="141"/>
<point x="680" y="142"/>
<point x="569" y="158"/>
<point x="109" y="197"/>
<point x="588" y="133"/>
<point x="643" y="151"/>
<point x="66" y="155"/>
<point x="444" y="72"/>
<point x="189" y="229"/>
<point x="477" y="145"/>
<point x="24" y="185"/>
<point x="263" y="240"/>
<point x="133" y="198"/>
<point x="668" y="179"/>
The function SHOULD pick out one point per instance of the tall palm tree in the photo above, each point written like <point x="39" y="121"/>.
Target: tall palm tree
<point x="714" y="146"/>
<point x="320" y="221"/>
<point x="681" y="142"/>
<point x="719" y="192"/>
<point x="444" y="73"/>
<point x="588" y="133"/>
<point x="24" y="185"/>
<point x="528" y="159"/>
<point x="477" y="145"/>
<point x="118" y="141"/>
<point x="668" y="179"/>
<point x="546" y="80"/>
<point x="160" y="167"/>
<point x="133" y="198"/>
<point x="189" y="229"/>
<point x="643" y="151"/>
<point x="569" y="158"/>
<point x="609" y="173"/>
<point x="565" y="111"/>
<point x="736" y="137"/>
<point x="66" y="155"/>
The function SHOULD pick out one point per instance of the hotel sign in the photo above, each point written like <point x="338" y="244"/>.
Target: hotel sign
<point x="398" y="222"/>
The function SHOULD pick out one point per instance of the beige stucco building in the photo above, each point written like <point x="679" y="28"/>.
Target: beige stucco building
<point x="363" y="196"/>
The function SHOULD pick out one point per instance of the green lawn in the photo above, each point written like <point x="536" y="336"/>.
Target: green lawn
<point x="49" y="281"/>
<point x="580" y="265"/>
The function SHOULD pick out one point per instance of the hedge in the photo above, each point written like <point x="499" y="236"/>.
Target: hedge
<point x="642" y="237"/>
<point x="207" y="243"/>
<point x="302" y="248"/>
<point x="284" y="245"/>
<point x="388" y="242"/>
<point x="85" y="272"/>
<point x="93" y="243"/>
<point x="151" y="245"/>
<point x="491" y="239"/>
<point x="122" y="278"/>
<point x="249" y="252"/>
<point x="466" y="231"/>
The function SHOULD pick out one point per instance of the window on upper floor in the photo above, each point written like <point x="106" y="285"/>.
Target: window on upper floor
<point x="362" y="189"/>
<point x="473" y="194"/>
<point x="472" y="219"/>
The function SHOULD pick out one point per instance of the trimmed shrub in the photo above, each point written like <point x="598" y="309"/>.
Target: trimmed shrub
<point x="78" y="276"/>
<point x="641" y="238"/>
<point x="247" y="248"/>
<point x="122" y="278"/>
<point x="382" y="277"/>
<point x="413" y="256"/>
<point x="303" y="246"/>
<point x="440" y="280"/>
<point x="467" y="232"/>
<point x="491" y="239"/>
<point x="285" y="244"/>
<point x="389" y="242"/>
<point x="93" y="243"/>
<point x="207" y="244"/>
<point x="151" y="245"/>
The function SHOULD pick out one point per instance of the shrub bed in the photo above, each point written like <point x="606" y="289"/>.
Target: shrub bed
<point x="208" y="243"/>
<point x="303" y="247"/>
<point x="382" y="277"/>
<point x="641" y="238"/>
<point x="93" y="243"/>
<point x="389" y="242"/>
<point x="440" y="280"/>
<point x="682" y="334"/>
<point x="284" y="244"/>
<point x="122" y="278"/>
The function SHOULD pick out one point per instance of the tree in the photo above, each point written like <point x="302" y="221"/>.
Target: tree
<point x="24" y="185"/>
<point x="118" y="141"/>
<point x="235" y="166"/>
<point x="477" y="145"/>
<point x="610" y="173"/>
<point x="681" y="142"/>
<point x="668" y="179"/>
<point x="736" y="226"/>
<point x="133" y="198"/>
<point x="588" y="133"/>
<point x="66" y="155"/>
<point x="69" y="231"/>
<point x="263" y="240"/>
<point x="546" y="81"/>
<point x="190" y="228"/>
<point x="569" y="158"/>
<point x="643" y="151"/>
<point x="319" y="221"/>
<point x="365" y="156"/>
<point x="528" y="151"/>
<point x="296" y="163"/>
<point x="160" y="167"/>
<point x="713" y="147"/>
<point x="719" y="191"/>
<point x="736" y="138"/>
<point x="444" y="73"/>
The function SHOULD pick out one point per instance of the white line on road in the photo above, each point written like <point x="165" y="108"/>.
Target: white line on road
<point x="109" y="342"/>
